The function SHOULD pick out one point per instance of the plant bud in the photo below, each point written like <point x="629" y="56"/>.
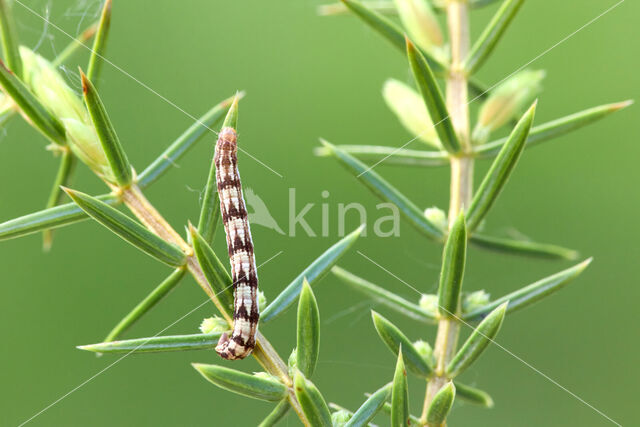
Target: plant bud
<point x="340" y="418"/>
<point x="421" y="24"/>
<point x="52" y="91"/>
<point x="507" y="102"/>
<point x="424" y="349"/>
<point x="437" y="217"/>
<point x="213" y="324"/>
<point x="409" y="108"/>
<point x="429" y="303"/>
<point x="293" y="360"/>
<point x="475" y="300"/>
<point x="262" y="300"/>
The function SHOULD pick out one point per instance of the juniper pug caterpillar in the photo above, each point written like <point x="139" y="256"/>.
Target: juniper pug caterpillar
<point x="240" y="245"/>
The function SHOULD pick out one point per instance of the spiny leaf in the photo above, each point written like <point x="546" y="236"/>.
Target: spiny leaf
<point x="316" y="270"/>
<point x="433" y="99"/>
<point x="157" y="344"/>
<point x="453" y="262"/>
<point x="128" y="229"/>
<point x="389" y="155"/>
<point x="118" y="161"/>
<point x="9" y="38"/>
<point x="531" y="293"/>
<point x="254" y="386"/>
<point x="180" y="146"/>
<point x="387" y="29"/>
<point x="213" y="269"/>
<point x="277" y="414"/>
<point x="308" y="331"/>
<point x="99" y="44"/>
<point x="556" y="128"/>
<point x="400" y="395"/>
<point x="384" y="297"/>
<point x="370" y="407"/>
<point x="386" y="192"/>
<point x="477" y="342"/>
<point x="395" y="339"/>
<point x="311" y="401"/>
<point x="47" y="219"/>
<point x="30" y="107"/>
<point x="62" y="179"/>
<point x="146" y="304"/>
<point x="441" y="405"/>
<point x="488" y="40"/>
<point x="500" y="171"/>
<point x="473" y="395"/>
<point x="522" y="247"/>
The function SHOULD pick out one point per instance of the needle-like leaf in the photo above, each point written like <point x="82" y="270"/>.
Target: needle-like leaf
<point x="311" y="401"/>
<point x="477" y="342"/>
<point x="62" y="179"/>
<point x="522" y="247"/>
<point x="400" y="395"/>
<point x="433" y="99"/>
<point x="146" y="304"/>
<point x="441" y="405"/>
<point x="117" y="158"/>
<point x="316" y="270"/>
<point x="500" y="171"/>
<point x="308" y="331"/>
<point x="384" y="297"/>
<point x="394" y="339"/>
<point x="213" y="269"/>
<point x="277" y="414"/>
<point x="254" y="386"/>
<point x="180" y="146"/>
<point x="556" y="128"/>
<point x="388" y="29"/>
<point x="59" y="216"/>
<point x="381" y="6"/>
<point x="385" y="191"/>
<point x="389" y="155"/>
<point x="128" y="229"/>
<point x="9" y="38"/>
<point x="99" y="44"/>
<point x="157" y="344"/>
<point x="453" y="262"/>
<point x="210" y="209"/>
<point x="473" y="395"/>
<point x="489" y="38"/>
<point x="370" y="407"/>
<point x="532" y="293"/>
<point x="32" y="110"/>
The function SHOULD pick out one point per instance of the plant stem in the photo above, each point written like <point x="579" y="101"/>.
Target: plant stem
<point x="264" y="352"/>
<point x="461" y="177"/>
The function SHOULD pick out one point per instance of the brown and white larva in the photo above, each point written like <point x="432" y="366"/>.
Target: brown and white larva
<point x="243" y="263"/>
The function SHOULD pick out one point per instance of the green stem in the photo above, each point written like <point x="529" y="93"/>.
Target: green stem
<point x="461" y="177"/>
<point x="264" y="353"/>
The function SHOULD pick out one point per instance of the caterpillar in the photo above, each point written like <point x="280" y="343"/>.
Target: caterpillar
<point x="240" y="245"/>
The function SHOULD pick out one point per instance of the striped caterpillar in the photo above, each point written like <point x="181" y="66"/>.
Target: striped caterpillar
<point x="240" y="245"/>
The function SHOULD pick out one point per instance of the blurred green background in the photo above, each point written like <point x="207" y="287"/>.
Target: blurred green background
<point x="307" y="77"/>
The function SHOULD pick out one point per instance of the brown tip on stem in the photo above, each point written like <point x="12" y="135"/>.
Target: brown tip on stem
<point x="620" y="105"/>
<point x="85" y="81"/>
<point x="89" y="32"/>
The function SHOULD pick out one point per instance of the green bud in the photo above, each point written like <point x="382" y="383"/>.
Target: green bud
<point x="409" y="108"/>
<point x="424" y="349"/>
<point x="340" y="418"/>
<point x="507" y="101"/>
<point x="84" y="143"/>
<point x="264" y="376"/>
<point x="429" y="302"/>
<point x="262" y="300"/>
<point x="422" y="25"/>
<point x="214" y="324"/>
<point x="475" y="300"/>
<point x="293" y="360"/>
<point x="437" y="217"/>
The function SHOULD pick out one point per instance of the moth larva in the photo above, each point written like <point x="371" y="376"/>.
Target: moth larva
<point x="240" y="245"/>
